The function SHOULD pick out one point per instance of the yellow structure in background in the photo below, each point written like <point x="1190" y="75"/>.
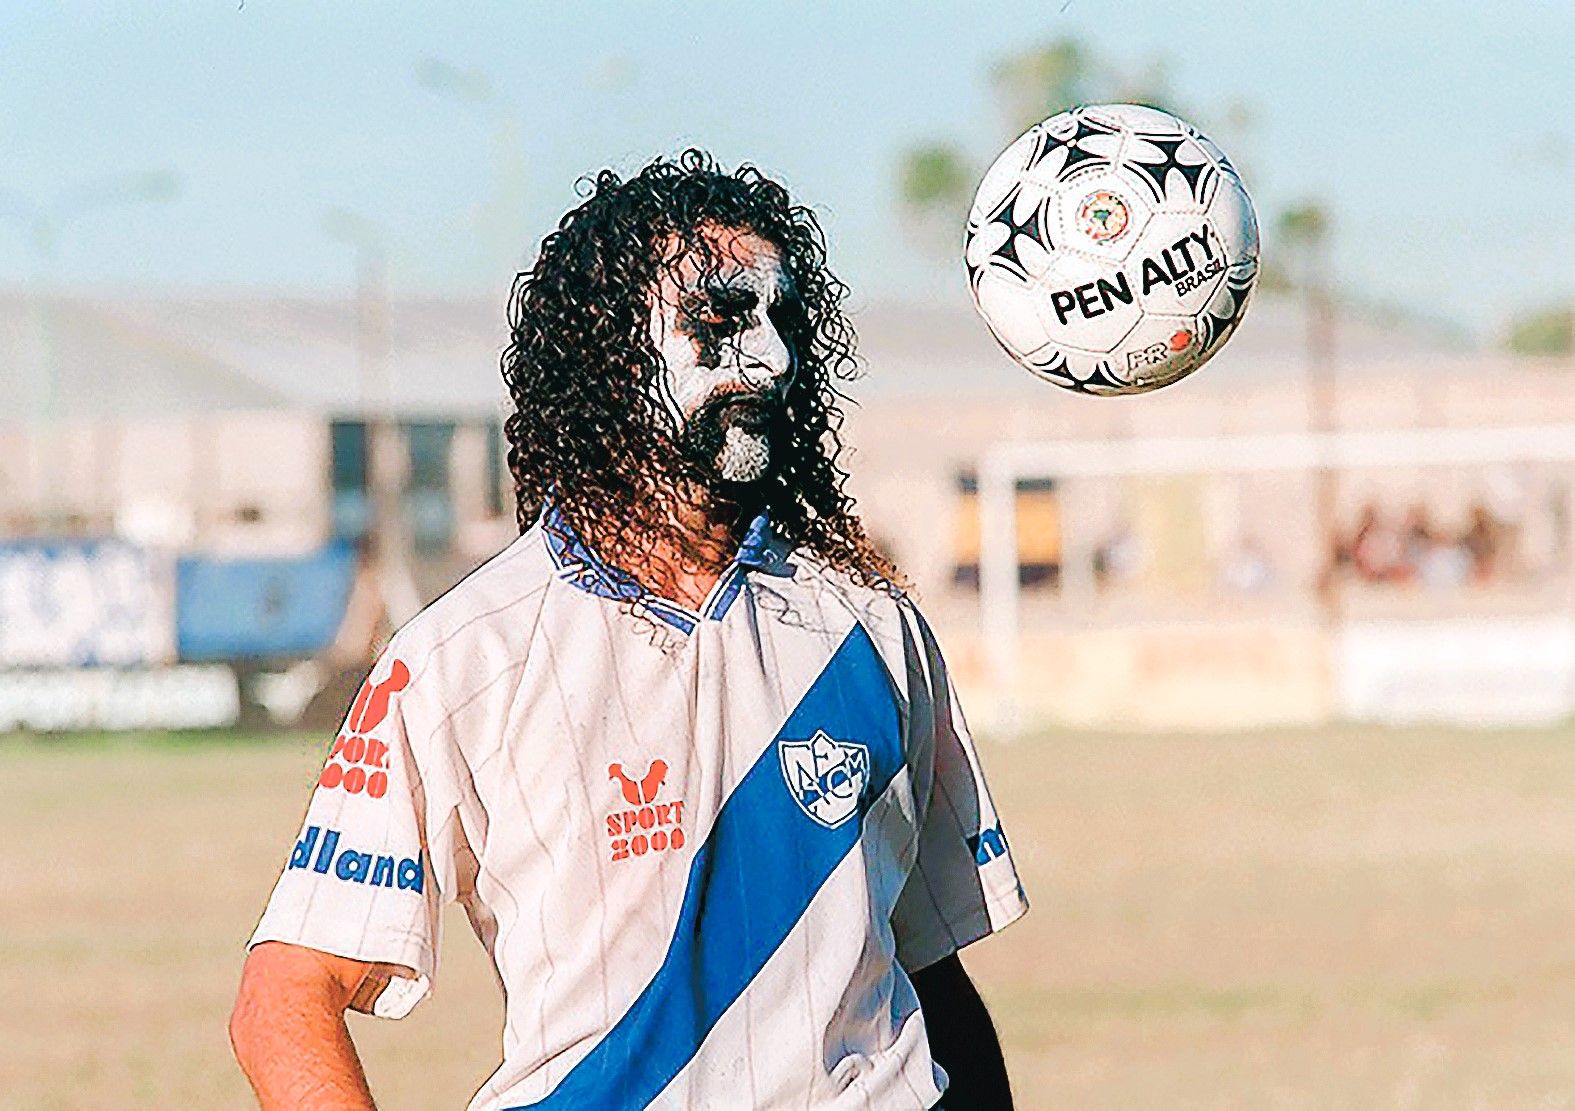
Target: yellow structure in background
<point x="1038" y="531"/>
<point x="1169" y="527"/>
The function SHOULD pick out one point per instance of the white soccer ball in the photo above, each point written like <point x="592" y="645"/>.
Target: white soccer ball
<point x="1111" y="249"/>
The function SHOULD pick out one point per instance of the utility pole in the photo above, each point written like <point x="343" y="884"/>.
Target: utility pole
<point x="1307" y="227"/>
<point x="500" y="220"/>
<point x="388" y="549"/>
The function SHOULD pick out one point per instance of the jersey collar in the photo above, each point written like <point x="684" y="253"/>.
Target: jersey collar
<point x="761" y="550"/>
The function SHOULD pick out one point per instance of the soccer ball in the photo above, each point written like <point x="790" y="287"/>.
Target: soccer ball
<point x="1112" y="249"/>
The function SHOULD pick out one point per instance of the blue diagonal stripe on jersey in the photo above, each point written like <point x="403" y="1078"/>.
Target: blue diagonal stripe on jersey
<point x="749" y="884"/>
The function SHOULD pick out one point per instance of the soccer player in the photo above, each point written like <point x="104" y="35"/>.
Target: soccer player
<point x="685" y="752"/>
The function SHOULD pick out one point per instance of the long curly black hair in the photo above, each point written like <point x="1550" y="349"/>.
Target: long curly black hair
<point x="589" y="430"/>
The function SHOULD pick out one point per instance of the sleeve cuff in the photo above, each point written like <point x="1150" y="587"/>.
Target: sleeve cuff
<point x="992" y="916"/>
<point x="401" y="994"/>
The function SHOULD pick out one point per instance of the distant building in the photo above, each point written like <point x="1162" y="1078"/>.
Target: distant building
<point x="239" y="425"/>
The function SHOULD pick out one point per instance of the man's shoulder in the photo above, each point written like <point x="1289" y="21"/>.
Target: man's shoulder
<point x="874" y="604"/>
<point x="811" y="569"/>
<point x="500" y="596"/>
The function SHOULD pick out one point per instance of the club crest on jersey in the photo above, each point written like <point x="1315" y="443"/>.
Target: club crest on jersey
<point x="825" y="777"/>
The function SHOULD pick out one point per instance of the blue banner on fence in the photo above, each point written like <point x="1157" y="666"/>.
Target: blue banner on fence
<point x="229" y="609"/>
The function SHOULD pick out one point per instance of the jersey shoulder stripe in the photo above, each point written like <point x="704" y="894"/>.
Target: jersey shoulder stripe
<point x="751" y="881"/>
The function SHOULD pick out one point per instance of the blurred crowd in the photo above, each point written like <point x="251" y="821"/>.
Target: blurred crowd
<point x="1413" y="547"/>
<point x="1516" y="539"/>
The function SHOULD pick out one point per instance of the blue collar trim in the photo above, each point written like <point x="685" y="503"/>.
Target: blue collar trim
<point x="762" y="550"/>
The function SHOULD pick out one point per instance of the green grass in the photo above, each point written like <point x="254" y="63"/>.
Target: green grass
<point x="1332" y="918"/>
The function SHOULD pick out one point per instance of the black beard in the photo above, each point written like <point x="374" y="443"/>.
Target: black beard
<point x="705" y="432"/>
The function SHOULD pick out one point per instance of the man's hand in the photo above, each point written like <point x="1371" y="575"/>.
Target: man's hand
<point x="962" y="1039"/>
<point x="288" y="1027"/>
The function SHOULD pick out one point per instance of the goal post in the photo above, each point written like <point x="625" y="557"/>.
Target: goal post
<point x="1002" y="467"/>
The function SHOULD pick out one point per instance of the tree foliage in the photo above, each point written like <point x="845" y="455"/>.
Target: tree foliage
<point x="1304" y="225"/>
<point x="1043" y="80"/>
<point x="1304" y="229"/>
<point x="935" y="178"/>
<point x="1548" y="331"/>
<point x="1039" y="82"/>
<point x="934" y="174"/>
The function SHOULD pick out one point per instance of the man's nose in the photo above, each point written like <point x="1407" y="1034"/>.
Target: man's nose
<point x="765" y="359"/>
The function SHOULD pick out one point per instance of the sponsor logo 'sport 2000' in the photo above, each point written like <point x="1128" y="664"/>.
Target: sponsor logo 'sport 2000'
<point x="645" y="825"/>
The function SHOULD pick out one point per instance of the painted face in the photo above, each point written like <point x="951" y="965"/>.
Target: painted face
<point x="724" y="362"/>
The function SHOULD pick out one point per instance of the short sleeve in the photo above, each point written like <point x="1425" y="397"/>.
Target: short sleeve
<point x="366" y="875"/>
<point x="964" y="885"/>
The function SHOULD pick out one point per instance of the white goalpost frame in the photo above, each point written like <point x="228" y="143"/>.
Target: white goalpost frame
<point x="1003" y="466"/>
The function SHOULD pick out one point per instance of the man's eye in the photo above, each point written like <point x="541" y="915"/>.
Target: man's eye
<point x="728" y="325"/>
<point x="717" y="324"/>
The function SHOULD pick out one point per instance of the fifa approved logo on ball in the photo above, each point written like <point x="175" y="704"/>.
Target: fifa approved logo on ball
<point x="1103" y="216"/>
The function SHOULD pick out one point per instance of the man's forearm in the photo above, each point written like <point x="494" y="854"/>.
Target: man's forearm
<point x="291" y="1041"/>
<point x="962" y="1039"/>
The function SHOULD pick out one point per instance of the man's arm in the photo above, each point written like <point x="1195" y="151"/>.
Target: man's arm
<point x="288" y="1027"/>
<point x="962" y="1039"/>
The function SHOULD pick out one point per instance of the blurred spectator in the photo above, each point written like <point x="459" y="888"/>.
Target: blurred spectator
<point x="1377" y="549"/>
<point x="1419" y="539"/>
<point x="1418" y="550"/>
<point x="1118" y="557"/>
<point x="1483" y="541"/>
<point x="1442" y="563"/>
<point x="1246" y="568"/>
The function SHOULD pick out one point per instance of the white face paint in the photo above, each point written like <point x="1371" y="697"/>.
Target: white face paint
<point x="716" y="339"/>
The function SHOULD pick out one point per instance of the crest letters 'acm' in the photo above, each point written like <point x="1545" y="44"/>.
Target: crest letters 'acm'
<point x="826" y="777"/>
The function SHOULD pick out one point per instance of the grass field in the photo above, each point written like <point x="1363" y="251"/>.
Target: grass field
<point x="1342" y="919"/>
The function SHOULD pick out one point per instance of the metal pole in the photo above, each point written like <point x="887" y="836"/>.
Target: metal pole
<point x="385" y="462"/>
<point x="1323" y="419"/>
<point x="998" y="581"/>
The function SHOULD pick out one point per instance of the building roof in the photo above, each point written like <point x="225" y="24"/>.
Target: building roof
<point x="105" y="360"/>
<point x="945" y="348"/>
<point x="149" y="355"/>
<point x="146" y="355"/>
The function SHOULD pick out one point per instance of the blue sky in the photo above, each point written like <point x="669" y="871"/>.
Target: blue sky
<point x="1442" y="135"/>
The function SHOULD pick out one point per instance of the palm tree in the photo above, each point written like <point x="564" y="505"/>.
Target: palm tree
<point x="1037" y="83"/>
<point x="935" y="179"/>
<point x="1305" y="230"/>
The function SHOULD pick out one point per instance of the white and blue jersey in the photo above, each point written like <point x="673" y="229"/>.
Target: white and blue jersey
<point x="705" y="849"/>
